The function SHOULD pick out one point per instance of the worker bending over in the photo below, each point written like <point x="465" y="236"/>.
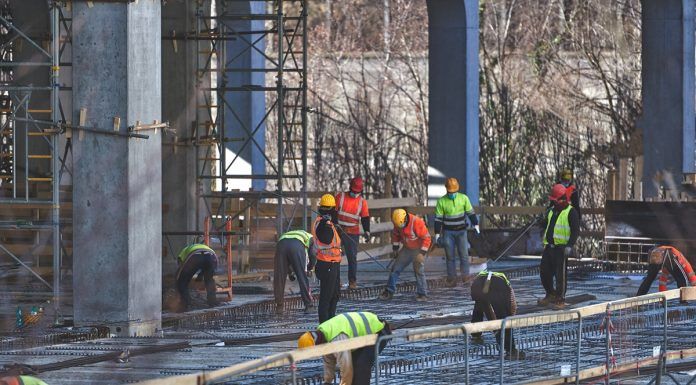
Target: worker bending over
<point x="295" y="256"/>
<point x="355" y="365"/>
<point x="21" y="380"/>
<point x="192" y="259"/>
<point x="353" y="212"/>
<point x="328" y="268"/>
<point x="560" y="234"/>
<point x="493" y="297"/>
<point x="667" y="260"/>
<point x="411" y="232"/>
<point x="451" y="212"/>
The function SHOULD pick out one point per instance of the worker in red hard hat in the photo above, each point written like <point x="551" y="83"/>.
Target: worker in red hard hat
<point x="352" y="213"/>
<point x="559" y="237"/>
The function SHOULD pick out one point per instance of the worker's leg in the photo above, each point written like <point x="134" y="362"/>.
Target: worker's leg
<point x="419" y="271"/>
<point x="501" y="304"/>
<point x="183" y="277"/>
<point x="546" y="270"/>
<point x="280" y="272"/>
<point x="363" y="359"/>
<point x="297" y="260"/>
<point x="208" y="266"/>
<point x="336" y="271"/>
<point x="328" y="275"/>
<point x="561" y="267"/>
<point x="448" y="245"/>
<point x="462" y="243"/>
<point x="350" y="245"/>
<point x="402" y="260"/>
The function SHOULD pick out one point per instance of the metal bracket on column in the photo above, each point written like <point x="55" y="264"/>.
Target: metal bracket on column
<point x="154" y="126"/>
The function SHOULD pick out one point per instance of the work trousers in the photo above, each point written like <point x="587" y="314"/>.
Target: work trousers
<point x="654" y="269"/>
<point x="350" y="245"/>
<point x="364" y="359"/>
<point x="497" y="303"/>
<point x="290" y="254"/>
<point x="329" y="274"/>
<point x="554" y="265"/>
<point x="205" y="262"/>
<point x="456" y="245"/>
<point x="406" y="257"/>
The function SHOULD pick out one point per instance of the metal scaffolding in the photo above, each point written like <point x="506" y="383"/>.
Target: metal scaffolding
<point x="281" y="43"/>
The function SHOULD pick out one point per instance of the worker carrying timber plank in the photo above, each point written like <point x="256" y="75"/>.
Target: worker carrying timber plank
<point x="560" y="234"/>
<point x="451" y="212"/>
<point x="21" y="380"/>
<point x="355" y="365"/>
<point x="493" y="297"/>
<point x="667" y="260"/>
<point x="353" y="212"/>
<point x="411" y="232"/>
<point x="572" y="191"/>
<point x="328" y="267"/>
<point x="192" y="259"/>
<point x="295" y="256"/>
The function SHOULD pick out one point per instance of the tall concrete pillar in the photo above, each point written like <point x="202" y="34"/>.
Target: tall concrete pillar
<point x="453" y="135"/>
<point x="668" y="92"/>
<point x="117" y="198"/>
<point x="245" y="109"/>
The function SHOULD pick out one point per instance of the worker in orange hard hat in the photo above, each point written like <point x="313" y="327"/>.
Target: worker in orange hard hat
<point x="572" y="192"/>
<point x="667" y="260"/>
<point x="21" y="380"/>
<point x="559" y="237"/>
<point x="451" y="213"/>
<point x="328" y="251"/>
<point x="352" y="213"/>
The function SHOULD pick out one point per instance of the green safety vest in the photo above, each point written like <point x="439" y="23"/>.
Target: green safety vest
<point x="29" y="380"/>
<point x="495" y="274"/>
<point x="188" y="250"/>
<point x="561" y="231"/>
<point x="453" y="212"/>
<point x="354" y="324"/>
<point x="300" y="235"/>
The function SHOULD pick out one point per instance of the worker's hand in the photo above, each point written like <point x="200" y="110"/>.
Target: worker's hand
<point x="420" y="258"/>
<point x="438" y="240"/>
<point x="310" y="273"/>
<point x="478" y="229"/>
<point x="367" y="236"/>
<point x="291" y="276"/>
<point x="394" y="254"/>
<point x="567" y="251"/>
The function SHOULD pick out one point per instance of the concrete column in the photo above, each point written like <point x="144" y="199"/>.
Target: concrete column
<point x="117" y="209"/>
<point x="244" y="110"/>
<point x="453" y="135"/>
<point x="668" y="93"/>
<point x="179" y="109"/>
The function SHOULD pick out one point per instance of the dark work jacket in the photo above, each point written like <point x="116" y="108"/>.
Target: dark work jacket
<point x="573" y="218"/>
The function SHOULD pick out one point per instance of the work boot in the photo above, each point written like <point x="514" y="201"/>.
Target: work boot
<point x="352" y="285"/>
<point x="450" y="282"/>
<point x="549" y="299"/>
<point x="421" y="298"/>
<point x="279" y="309"/>
<point x="309" y="309"/>
<point x="515" y="355"/>
<point x="386" y="295"/>
<point x="559" y="304"/>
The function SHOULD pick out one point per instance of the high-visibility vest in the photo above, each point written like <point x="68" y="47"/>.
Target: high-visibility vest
<point x="495" y="274"/>
<point x="191" y="249"/>
<point x="683" y="265"/>
<point x="409" y="234"/>
<point x="561" y="231"/>
<point x="300" y="235"/>
<point x="453" y="212"/>
<point x="354" y="324"/>
<point x="327" y="252"/>
<point x="350" y="210"/>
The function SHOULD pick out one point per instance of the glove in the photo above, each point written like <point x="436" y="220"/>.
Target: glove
<point x="291" y="276"/>
<point x="438" y="240"/>
<point x="367" y="236"/>
<point x="420" y="258"/>
<point x="478" y="229"/>
<point x="394" y="254"/>
<point x="567" y="251"/>
<point x="310" y="273"/>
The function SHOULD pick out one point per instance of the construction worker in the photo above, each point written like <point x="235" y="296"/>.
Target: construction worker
<point x="559" y="236"/>
<point x="411" y="232"/>
<point x="328" y="267"/>
<point x="295" y="256"/>
<point x="353" y="212"/>
<point x="355" y="365"/>
<point x="21" y="380"/>
<point x="451" y="212"/>
<point x="667" y="260"/>
<point x="192" y="259"/>
<point x="493" y="297"/>
<point x="572" y="192"/>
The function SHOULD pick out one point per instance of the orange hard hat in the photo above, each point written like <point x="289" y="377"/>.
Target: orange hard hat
<point x="356" y="184"/>
<point x="452" y="185"/>
<point x="558" y="191"/>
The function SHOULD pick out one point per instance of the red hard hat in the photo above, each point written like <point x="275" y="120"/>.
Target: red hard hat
<point x="558" y="191"/>
<point x="356" y="184"/>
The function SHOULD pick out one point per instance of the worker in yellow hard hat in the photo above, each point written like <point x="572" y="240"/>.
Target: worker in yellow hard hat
<point x="328" y="267"/>
<point x="566" y="178"/>
<point x="411" y="232"/>
<point x="21" y="380"/>
<point x="451" y="213"/>
<point x="355" y="365"/>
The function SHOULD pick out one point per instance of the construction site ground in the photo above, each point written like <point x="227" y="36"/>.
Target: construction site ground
<point x="248" y="328"/>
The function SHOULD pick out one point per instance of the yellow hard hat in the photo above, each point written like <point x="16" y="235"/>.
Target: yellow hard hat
<point x="399" y="217"/>
<point x="306" y="340"/>
<point x="452" y="185"/>
<point x="566" y="174"/>
<point x="327" y="200"/>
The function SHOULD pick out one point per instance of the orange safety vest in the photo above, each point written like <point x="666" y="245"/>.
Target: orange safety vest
<point x="327" y="252"/>
<point x="414" y="236"/>
<point x="350" y="210"/>
<point x="684" y="266"/>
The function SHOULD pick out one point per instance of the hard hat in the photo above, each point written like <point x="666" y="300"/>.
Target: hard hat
<point x="452" y="185"/>
<point x="558" y="191"/>
<point x="307" y="340"/>
<point x="567" y="174"/>
<point x="399" y="217"/>
<point x="356" y="184"/>
<point x="327" y="200"/>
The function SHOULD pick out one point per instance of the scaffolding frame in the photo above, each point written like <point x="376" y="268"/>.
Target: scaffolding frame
<point x="285" y="23"/>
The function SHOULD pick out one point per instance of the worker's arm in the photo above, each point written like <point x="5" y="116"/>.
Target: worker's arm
<point x="312" y="254"/>
<point x="513" y="300"/>
<point x="439" y="217"/>
<point x="574" y="220"/>
<point x="329" y="368"/>
<point x="469" y="209"/>
<point x="396" y="238"/>
<point x="653" y="270"/>
<point x="421" y="231"/>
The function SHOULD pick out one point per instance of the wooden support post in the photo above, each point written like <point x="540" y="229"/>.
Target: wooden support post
<point x="623" y="179"/>
<point x="638" y="178"/>
<point x="386" y="213"/>
<point x="244" y="255"/>
<point x="82" y="123"/>
<point x="611" y="185"/>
